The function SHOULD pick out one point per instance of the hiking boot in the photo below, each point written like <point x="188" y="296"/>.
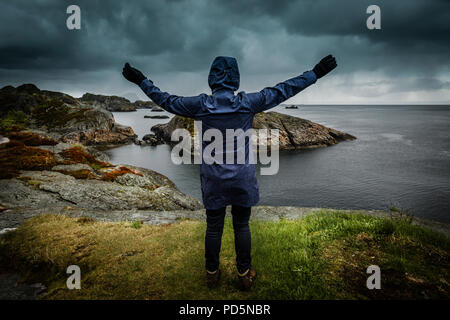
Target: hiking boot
<point x="246" y="279"/>
<point x="212" y="278"/>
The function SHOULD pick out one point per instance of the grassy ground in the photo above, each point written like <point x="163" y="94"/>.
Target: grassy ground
<point x="321" y="256"/>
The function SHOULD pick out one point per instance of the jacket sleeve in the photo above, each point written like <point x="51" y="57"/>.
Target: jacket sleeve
<point x="272" y="96"/>
<point x="182" y="106"/>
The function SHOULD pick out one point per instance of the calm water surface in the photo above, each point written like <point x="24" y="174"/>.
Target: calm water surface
<point x="401" y="157"/>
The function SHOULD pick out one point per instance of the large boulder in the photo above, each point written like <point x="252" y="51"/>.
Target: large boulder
<point x="295" y="133"/>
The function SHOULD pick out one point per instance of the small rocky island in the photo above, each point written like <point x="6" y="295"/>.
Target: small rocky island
<point x="295" y="133"/>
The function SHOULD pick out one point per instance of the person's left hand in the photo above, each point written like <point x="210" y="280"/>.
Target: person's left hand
<point x="132" y="74"/>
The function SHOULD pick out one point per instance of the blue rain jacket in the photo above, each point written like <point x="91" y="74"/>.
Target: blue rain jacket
<point x="227" y="184"/>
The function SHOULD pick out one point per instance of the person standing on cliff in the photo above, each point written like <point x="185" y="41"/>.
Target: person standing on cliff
<point x="228" y="184"/>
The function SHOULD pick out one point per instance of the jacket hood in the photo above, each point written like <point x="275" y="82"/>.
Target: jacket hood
<point x="224" y="74"/>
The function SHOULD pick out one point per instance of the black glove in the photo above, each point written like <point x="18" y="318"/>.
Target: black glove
<point x="132" y="74"/>
<point x="324" y="66"/>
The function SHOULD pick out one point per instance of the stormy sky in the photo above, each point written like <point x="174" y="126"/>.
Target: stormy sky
<point x="174" y="42"/>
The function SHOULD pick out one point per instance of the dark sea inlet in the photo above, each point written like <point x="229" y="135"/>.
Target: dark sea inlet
<point x="401" y="157"/>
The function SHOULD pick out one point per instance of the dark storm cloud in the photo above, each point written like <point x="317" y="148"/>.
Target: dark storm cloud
<point x="269" y="38"/>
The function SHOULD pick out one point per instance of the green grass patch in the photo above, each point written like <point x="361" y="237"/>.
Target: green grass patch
<point x="136" y="224"/>
<point x="322" y="256"/>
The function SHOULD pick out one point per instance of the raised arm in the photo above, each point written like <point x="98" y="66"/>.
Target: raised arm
<point x="272" y="96"/>
<point x="183" y="106"/>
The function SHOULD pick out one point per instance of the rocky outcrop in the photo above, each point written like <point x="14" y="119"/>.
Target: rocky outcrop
<point x="62" y="117"/>
<point x="27" y="96"/>
<point x="118" y="104"/>
<point x="151" y="139"/>
<point x="110" y="103"/>
<point x="64" y="175"/>
<point x="131" y="191"/>
<point x="295" y="133"/>
<point x="163" y="131"/>
<point x="298" y="133"/>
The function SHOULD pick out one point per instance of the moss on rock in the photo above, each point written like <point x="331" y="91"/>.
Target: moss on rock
<point x="79" y="155"/>
<point x="16" y="156"/>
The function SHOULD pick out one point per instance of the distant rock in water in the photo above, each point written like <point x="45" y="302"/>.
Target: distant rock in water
<point x="60" y="116"/>
<point x="157" y="109"/>
<point x="139" y="104"/>
<point x="157" y="117"/>
<point x="295" y="133"/>
<point x="110" y="103"/>
<point x="151" y="139"/>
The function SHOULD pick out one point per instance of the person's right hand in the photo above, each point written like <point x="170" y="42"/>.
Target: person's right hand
<point x="132" y="74"/>
<point x="325" y="66"/>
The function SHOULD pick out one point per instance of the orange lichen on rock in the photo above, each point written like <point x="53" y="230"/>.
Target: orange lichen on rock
<point x="78" y="155"/>
<point x="113" y="174"/>
<point x="79" y="174"/>
<point x="15" y="156"/>
<point x="31" y="139"/>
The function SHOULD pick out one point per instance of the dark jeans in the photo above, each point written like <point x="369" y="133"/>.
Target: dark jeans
<point x="242" y="237"/>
